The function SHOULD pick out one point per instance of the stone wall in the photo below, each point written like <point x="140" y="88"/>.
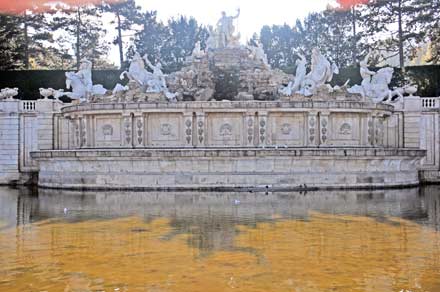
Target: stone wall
<point x="230" y="124"/>
<point x="429" y="135"/>
<point x="229" y="169"/>
<point x="25" y="126"/>
<point x="9" y="141"/>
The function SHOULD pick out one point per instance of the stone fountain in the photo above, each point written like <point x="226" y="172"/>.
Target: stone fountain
<point x="227" y="120"/>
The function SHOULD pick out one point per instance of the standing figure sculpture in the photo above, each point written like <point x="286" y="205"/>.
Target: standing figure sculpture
<point x="213" y="40"/>
<point x="226" y="29"/>
<point x="197" y="52"/>
<point x="157" y="82"/>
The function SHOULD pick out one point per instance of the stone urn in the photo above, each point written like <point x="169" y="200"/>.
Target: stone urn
<point x="411" y="89"/>
<point x="8" y="93"/>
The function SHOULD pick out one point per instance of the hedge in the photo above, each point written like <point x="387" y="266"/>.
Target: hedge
<point x="29" y="82"/>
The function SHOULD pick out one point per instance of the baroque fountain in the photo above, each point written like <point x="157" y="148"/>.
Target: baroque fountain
<point x="227" y="120"/>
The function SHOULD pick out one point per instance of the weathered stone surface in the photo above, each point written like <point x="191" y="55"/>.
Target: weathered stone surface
<point x="229" y="168"/>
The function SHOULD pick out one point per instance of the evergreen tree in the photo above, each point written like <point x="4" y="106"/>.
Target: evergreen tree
<point x="127" y="14"/>
<point x="36" y="32"/>
<point x="170" y="44"/>
<point x="426" y="19"/>
<point x="182" y="34"/>
<point x="11" y="50"/>
<point x="150" y="38"/>
<point x="390" y="17"/>
<point x="86" y="32"/>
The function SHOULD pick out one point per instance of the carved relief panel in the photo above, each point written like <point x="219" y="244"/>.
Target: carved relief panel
<point x="345" y="129"/>
<point x="286" y="129"/>
<point x="107" y="131"/>
<point x="225" y="129"/>
<point x="165" y="129"/>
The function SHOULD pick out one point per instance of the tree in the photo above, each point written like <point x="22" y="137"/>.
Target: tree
<point x="170" y="44"/>
<point x="36" y="31"/>
<point x="280" y="43"/>
<point x="127" y="14"/>
<point x="182" y="34"/>
<point x="426" y="18"/>
<point x="393" y="17"/>
<point x="11" y="50"/>
<point x="84" y="27"/>
<point x="150" y="38"/>
<point x="330" y="31"/>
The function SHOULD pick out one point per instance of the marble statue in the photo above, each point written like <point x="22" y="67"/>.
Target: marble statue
<point x="120" y="88"/>
<point x="213" y="40"/>
<point x="8" y="93"/>
<point x="158" y="83"/>
<point x="321" y="72"/>
<point x="226" y="29"/>
<point x="375" y="85"/>
<point x="258" y="54"/>
<point x="301" y="71"/>
<point x="81" y="83"/>
<point x="137" y="71"/>
<point x="197" y="52"/>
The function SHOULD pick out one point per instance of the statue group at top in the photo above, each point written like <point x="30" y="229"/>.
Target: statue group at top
<point x="224" y="34"/>
<point x="248" y="70"/>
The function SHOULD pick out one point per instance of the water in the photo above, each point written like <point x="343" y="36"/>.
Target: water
<point x="121" y="241"/>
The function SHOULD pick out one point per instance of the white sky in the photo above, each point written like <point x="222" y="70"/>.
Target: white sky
<point x="254" y="13"/>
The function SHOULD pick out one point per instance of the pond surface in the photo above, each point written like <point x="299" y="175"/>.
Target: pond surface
<point x="54" y="240"/>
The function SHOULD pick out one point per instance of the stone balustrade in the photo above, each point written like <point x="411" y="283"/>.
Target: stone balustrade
<point x="430" y="102"/>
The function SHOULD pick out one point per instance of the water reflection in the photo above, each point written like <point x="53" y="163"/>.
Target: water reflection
<point x="321" y="241"/>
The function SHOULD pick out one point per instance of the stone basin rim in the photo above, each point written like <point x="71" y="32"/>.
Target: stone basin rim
<point x="245" y="105"/>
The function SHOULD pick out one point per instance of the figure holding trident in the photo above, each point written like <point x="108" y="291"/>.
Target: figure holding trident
<point x="226" y="29"/>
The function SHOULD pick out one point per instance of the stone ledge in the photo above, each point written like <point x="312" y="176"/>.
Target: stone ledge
<point x="242" y="105"/>
<point x="359" y="153"/>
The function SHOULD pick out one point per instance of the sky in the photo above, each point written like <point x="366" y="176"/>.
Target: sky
<point x="254" y="13"/>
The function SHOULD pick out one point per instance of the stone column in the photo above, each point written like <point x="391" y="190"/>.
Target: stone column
<point x="262" y="128"/>
<point x="201" y="130"/>
<point x="311" y="132"/>
<point x="411" y="121"/>
<point x="139" y="130"/>
<point x="188" y="128"/>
